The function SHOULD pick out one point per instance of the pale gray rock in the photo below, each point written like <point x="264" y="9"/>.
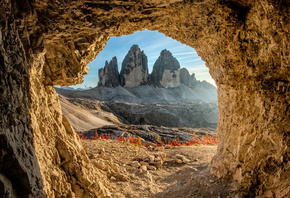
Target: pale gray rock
<point x="166" y="71"/>
<point x="186" y="78"/>
<point x="109" y="75"/>
<point x="192" y="80"/>
<point x="134" y="70"/>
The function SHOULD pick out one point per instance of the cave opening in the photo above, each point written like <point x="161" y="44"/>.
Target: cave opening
<point x="47" y="43"/>
<point x="150" y="115"/>
<point x="184" y="96"/>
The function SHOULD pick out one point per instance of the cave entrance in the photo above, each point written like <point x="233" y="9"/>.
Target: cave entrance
<point x="152" y="43"/>
<point x="47" y="43"/>
<point x="135" y="73"/>
<point x="129" y="101"/>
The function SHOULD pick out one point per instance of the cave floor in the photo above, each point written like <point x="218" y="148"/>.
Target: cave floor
<point x="190" y="179"/>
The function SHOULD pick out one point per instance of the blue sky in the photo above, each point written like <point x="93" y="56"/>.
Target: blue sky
<point x="152" y="42"/>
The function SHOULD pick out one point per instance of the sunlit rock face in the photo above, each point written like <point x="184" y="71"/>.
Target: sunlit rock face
<point x="166" y="71"/>
<point x="134" y="70"/>
<point x="109" y="75"/>
<point x="43" y="43"/>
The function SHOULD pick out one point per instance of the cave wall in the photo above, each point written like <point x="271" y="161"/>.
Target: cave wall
<point x="46" y="43"/>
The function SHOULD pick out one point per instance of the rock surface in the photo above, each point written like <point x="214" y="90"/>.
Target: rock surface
<point x="44" y="43"/>
<point x="134" y="70"/>
<point x="109" y="75"/>
<point x="166" y="71"/>
<point x="186" y="78"/>
<point x="85" y="114"/>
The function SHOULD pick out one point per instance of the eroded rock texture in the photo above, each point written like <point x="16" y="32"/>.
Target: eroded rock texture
<point x="43" y="43"/>
<point x="134" y="70"/>
<point x="109" y="75"/>
<point x="166" y="70"/>
<point x="186" y="78"/>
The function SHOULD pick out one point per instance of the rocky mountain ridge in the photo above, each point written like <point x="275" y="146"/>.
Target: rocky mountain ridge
<point x="166" y="73"/>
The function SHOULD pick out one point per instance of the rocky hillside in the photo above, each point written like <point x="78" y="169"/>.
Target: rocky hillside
<point x="85" y="114"/>
<point x="203" y="92"/>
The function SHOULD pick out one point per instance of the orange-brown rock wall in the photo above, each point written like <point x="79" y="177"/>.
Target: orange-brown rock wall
<point x="45" y="43"/>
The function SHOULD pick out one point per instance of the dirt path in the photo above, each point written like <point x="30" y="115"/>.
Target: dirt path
<point x="191" y="179"/>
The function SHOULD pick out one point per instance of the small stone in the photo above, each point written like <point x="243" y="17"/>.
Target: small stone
<point x="144" y="163"/>
<point x="151" y="168"/>
<point x="135" y="164"/>
<point x="100" y="164"/>
<point x="145" y="159"/>
<point x="113" y="178"/>
<point x="151" y="158"/>
<point x="178" y="156"/>
<point x="158" y="164"/>
<point x="186" y="161"/>
<point x="178" y="161"/>
<point x="167" y="146"/>
<point x="194" y="169"/>
<point x="157" y="159"/>
<point x="123" y="177"/>
<point x="143" y="168"/>
<point x="162" y="155"/>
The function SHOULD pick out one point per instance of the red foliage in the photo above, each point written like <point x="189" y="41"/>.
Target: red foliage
<point x="207" y="140"/>
<point x="81" y="136"/>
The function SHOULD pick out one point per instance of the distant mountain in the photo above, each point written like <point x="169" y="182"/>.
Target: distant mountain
<point x="166" y="73"/>
<point x="73" y="89"/>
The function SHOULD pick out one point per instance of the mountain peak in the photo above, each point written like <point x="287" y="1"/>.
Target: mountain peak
<point x="166" y="70"/>
<point x="134" y="70"/>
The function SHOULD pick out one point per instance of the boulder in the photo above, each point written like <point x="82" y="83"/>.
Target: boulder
<point x="109" y="75"/>
<point x="166" y="71"/>
<point x="134" y="70"/>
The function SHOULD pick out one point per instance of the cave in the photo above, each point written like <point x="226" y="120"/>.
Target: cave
<point x="46" y="43"/>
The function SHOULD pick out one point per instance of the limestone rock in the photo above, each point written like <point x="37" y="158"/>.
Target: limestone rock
<point x="143" y="168"/>
<point x="158" y="164"/>
<point x="135" y="164"/>
<point x="178" y="161"/>
<point x="186" y="78"/>
<point x="144" y="163"/>
<point x="192" y="80"/>
<point x="151" y="168"/>
<point x="181" y="159"/>
<point x="160" y="155"/>
<point x="134" y="70"/>
<point x="166" y="71"/>
<point x="109" y="75"/>
<point x="151" y="158"/>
